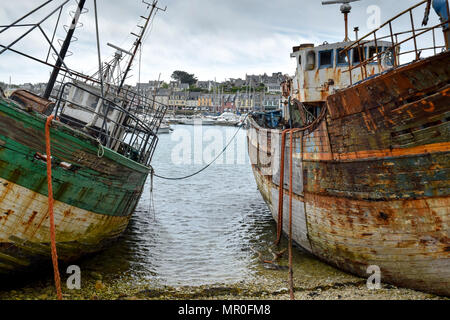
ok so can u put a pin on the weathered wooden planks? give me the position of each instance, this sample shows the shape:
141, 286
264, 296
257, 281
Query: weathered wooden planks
407, 239
95, 192
375, 178
93, 183
409, 82
25, 234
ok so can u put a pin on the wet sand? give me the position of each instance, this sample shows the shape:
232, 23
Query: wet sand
313, 280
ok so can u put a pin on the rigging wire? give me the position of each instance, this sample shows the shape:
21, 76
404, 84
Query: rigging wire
209, 164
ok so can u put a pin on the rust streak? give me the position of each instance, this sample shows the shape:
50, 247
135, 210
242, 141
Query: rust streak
435, 147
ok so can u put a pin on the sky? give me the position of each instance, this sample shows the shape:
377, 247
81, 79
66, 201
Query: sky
213, 39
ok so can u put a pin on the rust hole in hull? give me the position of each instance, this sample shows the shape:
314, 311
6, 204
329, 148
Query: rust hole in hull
384, 216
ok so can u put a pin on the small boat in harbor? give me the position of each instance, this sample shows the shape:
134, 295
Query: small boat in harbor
228, 119
197, 120
164, 128
100, 154
361, 154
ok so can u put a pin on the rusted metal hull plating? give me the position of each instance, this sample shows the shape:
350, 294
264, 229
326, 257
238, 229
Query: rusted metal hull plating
371, 181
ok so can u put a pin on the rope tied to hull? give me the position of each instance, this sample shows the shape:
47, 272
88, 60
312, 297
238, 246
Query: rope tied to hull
151, 204
50, 209
101, 149
281, 188
281, 201
291, 271
309, 127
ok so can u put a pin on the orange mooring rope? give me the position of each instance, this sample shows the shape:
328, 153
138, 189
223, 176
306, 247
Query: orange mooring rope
281, 189
50, 208
291, 132
281, 201
291, 272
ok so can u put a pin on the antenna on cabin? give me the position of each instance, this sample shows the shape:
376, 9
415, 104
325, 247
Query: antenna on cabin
345, 9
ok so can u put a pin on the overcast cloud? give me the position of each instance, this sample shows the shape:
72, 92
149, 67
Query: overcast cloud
210, 38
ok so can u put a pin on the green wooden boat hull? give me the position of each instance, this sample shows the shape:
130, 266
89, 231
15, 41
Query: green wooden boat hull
95, 196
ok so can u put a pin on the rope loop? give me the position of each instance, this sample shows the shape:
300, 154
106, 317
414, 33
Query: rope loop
101, 149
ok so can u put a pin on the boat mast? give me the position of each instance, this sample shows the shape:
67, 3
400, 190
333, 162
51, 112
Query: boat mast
345, 9
63, 52
138, 42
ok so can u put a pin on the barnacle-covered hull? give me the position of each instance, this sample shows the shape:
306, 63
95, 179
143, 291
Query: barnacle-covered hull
371, 178
95, 190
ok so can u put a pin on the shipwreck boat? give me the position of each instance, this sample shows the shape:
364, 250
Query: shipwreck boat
370, 153
101, 154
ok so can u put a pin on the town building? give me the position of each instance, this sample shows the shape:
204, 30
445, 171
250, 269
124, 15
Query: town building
273, 88
177, 100
178, 97
271, 102
192, 102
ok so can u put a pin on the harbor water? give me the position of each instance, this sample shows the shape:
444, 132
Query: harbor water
202, 237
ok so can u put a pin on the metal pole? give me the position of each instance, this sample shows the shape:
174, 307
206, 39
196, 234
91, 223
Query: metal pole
394, 45
447, 29
377, 51
34, 26
63, 52
138, 44
100, 73
54, 33
346, 27
414, 34
25, 16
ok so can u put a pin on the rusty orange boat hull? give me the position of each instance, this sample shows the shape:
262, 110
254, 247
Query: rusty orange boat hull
371, 178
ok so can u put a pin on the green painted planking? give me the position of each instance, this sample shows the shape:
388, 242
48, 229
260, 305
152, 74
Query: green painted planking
86, 188
64, 135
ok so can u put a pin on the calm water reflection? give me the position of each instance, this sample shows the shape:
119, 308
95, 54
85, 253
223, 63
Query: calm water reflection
202, 228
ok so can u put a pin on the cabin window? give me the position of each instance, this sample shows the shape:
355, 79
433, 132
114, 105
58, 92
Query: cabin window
341, 57
326, 59
78, 95
300, 60
373, 53
388, 56
92, 102
311, 60
358, 55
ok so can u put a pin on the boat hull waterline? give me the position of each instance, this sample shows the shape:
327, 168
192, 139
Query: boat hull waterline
95, 194
371, 179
